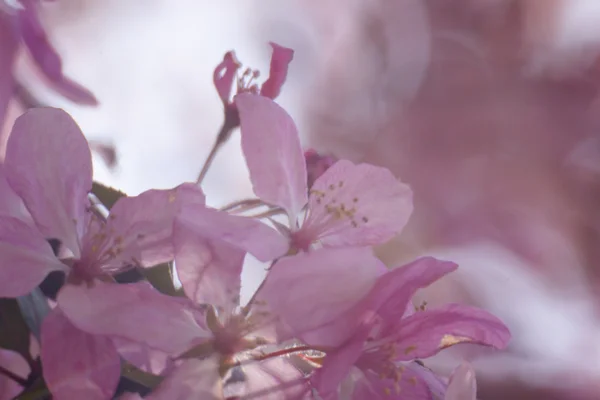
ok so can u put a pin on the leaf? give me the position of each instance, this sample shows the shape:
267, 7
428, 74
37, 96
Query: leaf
107, 195
161, 277
14, 332
34, 307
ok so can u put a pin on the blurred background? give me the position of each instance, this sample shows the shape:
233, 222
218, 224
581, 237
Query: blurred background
489, 109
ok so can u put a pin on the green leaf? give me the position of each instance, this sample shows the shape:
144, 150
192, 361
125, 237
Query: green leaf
107, 195
14, 333
137, 375
161, 277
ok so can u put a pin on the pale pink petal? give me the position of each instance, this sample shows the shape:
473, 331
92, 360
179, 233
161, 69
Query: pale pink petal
409, 386
271, 379
25, 258
245, 233
130, 396
313, 293
193, 379
280, 60
209, 269
273, 153
141, 227
224, 76
425, 333
76, 364
391, 295
10, 203
45, 56
463, 385
357, 205
8, 48
15, 363
337, 366
135, 312
142, 356
48, 164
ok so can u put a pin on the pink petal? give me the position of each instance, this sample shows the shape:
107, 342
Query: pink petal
77, 365
409, 386
48, 163
8, 48
209, 269
463, 385
272, 379
25, 258
135, 312
425, 333
245, 233
391, 295
338, 365
224, 75
280, 60
10, 203
35, 38
142, 356
142, 226
313, 293
357, 205
15, 363
193, 379
273, 153
130, 396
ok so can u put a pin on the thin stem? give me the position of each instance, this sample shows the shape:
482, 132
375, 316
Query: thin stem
232, 120
240, 203
270, 213
283, 352
21, 381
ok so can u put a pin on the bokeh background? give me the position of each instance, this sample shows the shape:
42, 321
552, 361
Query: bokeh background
489, 109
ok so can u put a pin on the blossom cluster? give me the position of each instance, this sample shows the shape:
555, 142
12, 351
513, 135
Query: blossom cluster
329, 320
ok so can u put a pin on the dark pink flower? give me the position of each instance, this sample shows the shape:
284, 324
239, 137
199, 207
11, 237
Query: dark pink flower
376, 361
226, 73
349, 205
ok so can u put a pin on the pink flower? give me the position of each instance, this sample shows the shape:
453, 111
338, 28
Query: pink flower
48, 165
375, 363
15, 364
462, 384
23, 25
348, 205
226, 73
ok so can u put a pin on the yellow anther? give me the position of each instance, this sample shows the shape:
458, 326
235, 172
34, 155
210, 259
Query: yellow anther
387, 391
413, 381
410, 349
172, 197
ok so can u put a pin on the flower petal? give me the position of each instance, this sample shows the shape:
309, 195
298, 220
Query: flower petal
209, 269
10, 203
391, 295
313, 293
338, 366
273, 153
135, 312
8, 49
280, 60
15, 363
48, 164
143, 225
142, 356
463, 385
35, 38
425, 333
248, 234
271, 379
408, 386
193, 379
358, 205
77, 365
224, 76
26, 258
